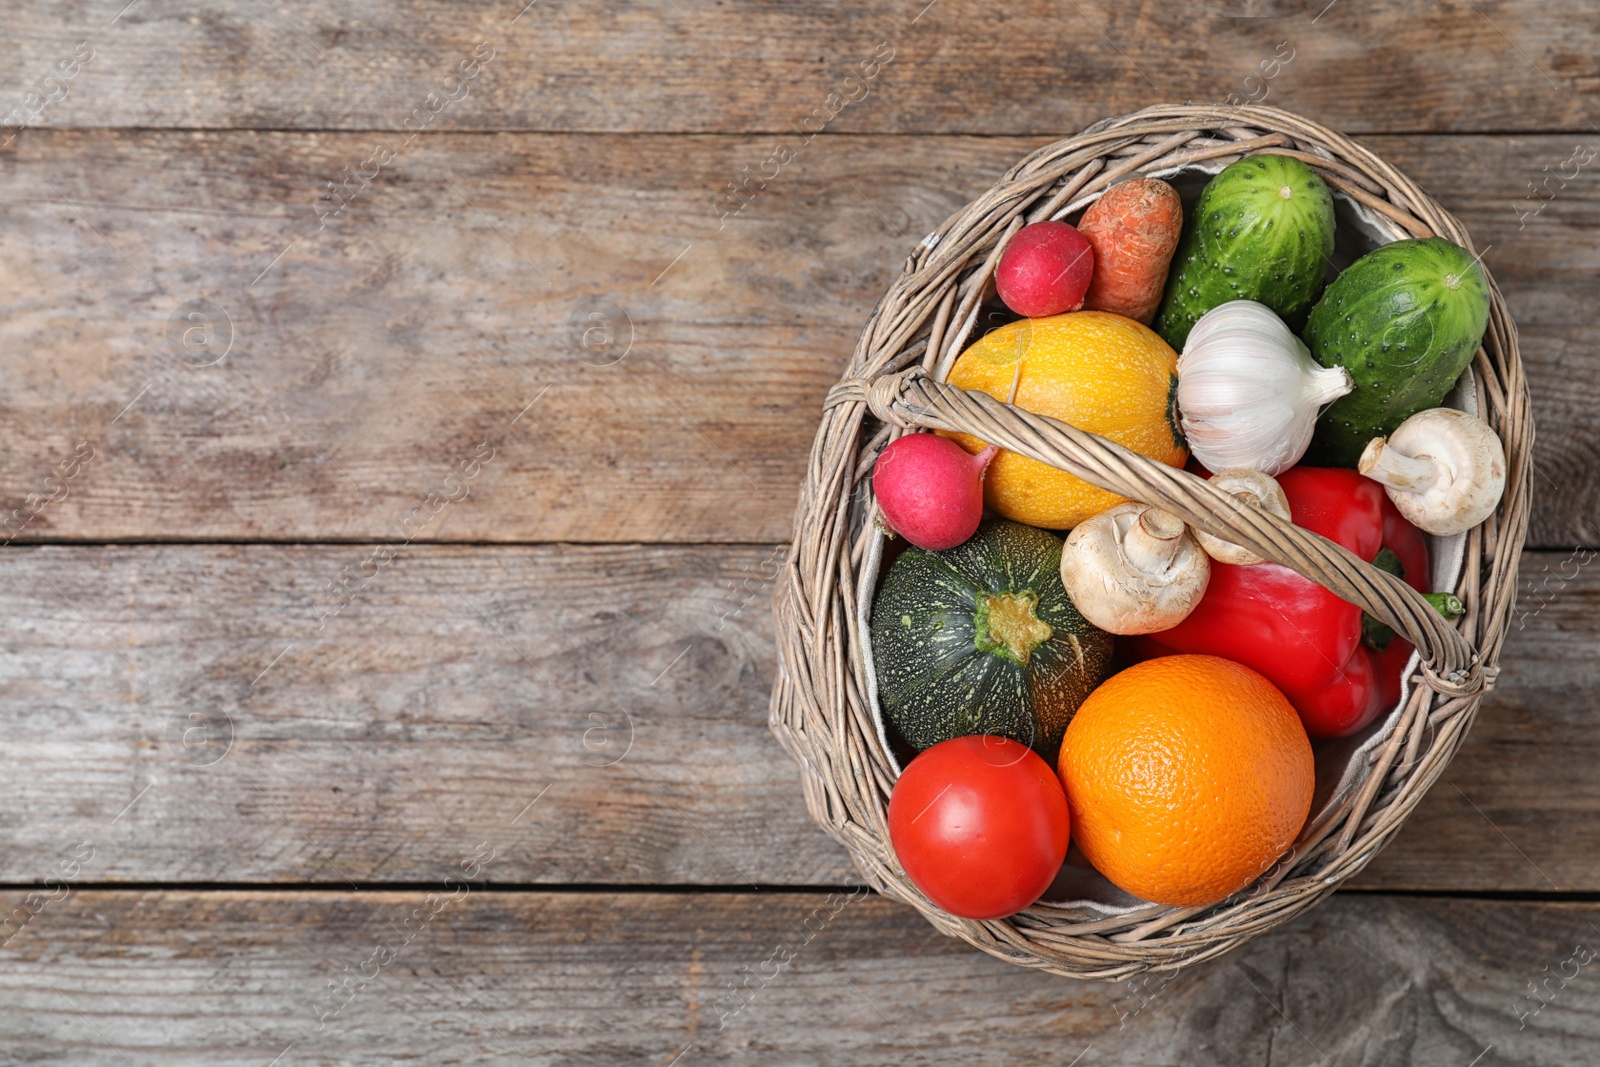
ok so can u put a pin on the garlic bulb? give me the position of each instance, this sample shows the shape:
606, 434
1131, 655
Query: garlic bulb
1249, 391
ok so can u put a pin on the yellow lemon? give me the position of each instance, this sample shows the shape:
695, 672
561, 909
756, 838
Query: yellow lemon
1091, 369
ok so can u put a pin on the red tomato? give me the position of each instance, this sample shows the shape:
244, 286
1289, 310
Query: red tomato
980, 825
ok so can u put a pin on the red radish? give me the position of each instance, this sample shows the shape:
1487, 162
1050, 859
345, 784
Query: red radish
1045, 270
931, 489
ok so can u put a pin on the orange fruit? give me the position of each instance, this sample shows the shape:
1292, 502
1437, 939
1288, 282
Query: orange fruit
1091, 369
1187, 777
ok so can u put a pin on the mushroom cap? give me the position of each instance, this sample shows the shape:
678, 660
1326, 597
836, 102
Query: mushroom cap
1250, 488
1134, 570
1469, 470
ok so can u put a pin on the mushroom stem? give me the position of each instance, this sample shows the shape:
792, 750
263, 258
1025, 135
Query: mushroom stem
1248, 497
1153, 540
1384, 463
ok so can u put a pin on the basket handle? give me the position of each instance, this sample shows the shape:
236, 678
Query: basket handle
911, 399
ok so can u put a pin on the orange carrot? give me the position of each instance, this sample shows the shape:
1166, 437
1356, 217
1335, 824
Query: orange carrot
1133, 230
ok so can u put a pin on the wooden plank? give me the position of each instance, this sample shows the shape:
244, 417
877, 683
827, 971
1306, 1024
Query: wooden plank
220, 713
371, 359
1036, 67
1516, 808
263, 719
226, 978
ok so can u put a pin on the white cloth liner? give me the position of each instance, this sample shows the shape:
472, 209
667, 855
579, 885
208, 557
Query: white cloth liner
1342, 765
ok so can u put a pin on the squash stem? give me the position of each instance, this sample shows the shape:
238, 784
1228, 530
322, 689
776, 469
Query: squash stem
1007, 626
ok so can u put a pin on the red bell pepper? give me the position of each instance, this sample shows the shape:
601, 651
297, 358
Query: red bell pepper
1309, 641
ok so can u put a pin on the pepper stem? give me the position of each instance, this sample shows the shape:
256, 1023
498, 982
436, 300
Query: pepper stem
1377, 635
1447, 604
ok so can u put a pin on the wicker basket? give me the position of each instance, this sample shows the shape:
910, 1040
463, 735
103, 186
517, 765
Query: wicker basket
822, 704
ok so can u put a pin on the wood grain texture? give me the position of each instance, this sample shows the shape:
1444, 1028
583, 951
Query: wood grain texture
371, 358
543, 331
265, 727
180, 708
756, 65
237, 978
1508, 808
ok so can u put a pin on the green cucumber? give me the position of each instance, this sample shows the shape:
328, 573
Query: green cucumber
1262, 231
1404, 320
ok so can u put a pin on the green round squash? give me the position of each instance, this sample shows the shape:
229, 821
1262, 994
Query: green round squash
982, 639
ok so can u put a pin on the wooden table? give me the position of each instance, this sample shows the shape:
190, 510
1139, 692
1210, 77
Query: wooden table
400, 427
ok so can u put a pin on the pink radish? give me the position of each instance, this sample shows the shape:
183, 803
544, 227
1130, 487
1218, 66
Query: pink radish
931, 489
1045, 270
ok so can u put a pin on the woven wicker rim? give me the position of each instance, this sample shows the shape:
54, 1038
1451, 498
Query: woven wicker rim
819, 709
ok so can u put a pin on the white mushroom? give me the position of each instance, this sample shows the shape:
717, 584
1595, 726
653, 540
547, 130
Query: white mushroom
1444, 469
1251, 489
1134, 569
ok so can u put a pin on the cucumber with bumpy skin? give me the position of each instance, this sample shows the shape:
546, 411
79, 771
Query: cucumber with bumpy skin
1404, 320
1262, 231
